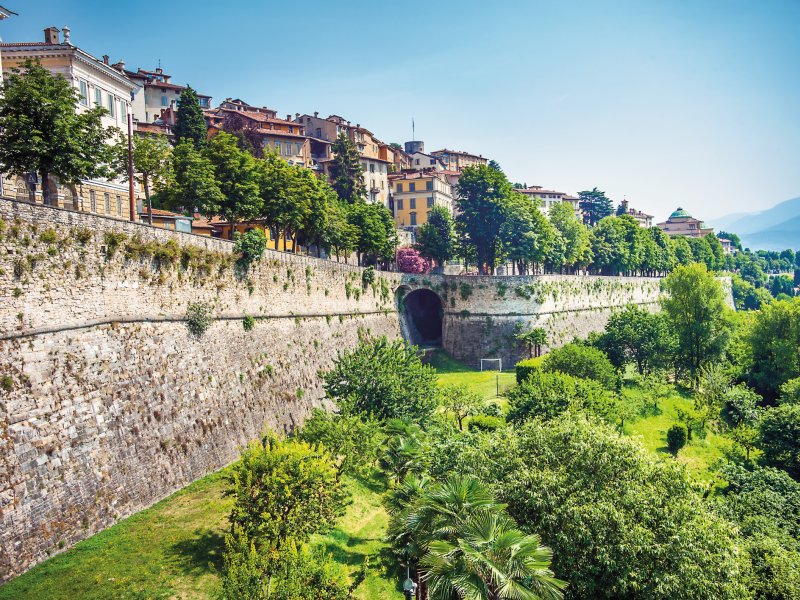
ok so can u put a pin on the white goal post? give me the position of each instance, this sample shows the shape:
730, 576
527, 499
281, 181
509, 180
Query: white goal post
498, 362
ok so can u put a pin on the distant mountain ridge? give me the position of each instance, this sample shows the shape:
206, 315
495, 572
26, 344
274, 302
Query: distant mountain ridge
776, 228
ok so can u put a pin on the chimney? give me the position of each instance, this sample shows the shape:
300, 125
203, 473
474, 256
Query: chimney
105, 59
316, 114
159, 70
51, 35
66, 31
288, 117
296, 116
119, 65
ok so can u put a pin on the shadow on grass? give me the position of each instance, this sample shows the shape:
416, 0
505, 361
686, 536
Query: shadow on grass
445, 364
199, 554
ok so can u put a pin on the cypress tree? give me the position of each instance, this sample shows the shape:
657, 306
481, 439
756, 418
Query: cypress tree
347, 174
191, 125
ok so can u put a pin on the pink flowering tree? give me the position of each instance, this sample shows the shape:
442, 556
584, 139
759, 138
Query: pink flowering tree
410, 261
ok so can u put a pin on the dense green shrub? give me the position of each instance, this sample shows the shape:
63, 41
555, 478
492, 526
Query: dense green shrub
367, 277
285, 490
250, 246
383, 380
780, 438
199, 318
248, 323
485, 423
676, 438
790, 392
525, 367
547, 395
582, 362
112, 241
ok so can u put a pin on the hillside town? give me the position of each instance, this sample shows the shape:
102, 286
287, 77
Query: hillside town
408, 180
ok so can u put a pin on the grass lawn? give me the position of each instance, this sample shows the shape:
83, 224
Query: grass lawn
486, 383
172, 550
699, 455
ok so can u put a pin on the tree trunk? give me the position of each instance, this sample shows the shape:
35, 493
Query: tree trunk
46, 200
146, 185
230, 233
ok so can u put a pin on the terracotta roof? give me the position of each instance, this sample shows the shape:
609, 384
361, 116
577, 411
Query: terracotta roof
279, 133
164, 213
535, 191
460, 152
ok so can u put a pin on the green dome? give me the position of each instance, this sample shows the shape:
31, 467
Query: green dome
680, 214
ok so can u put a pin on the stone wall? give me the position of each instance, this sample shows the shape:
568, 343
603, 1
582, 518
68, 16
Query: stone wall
108, 404
481, 315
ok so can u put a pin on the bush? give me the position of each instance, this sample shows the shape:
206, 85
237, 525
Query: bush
790, 392
780, 438
582, 362
48, 236
384, 380
547, 395
198, 318
251, 246
248, 323
676, 438
367, 277
485, 423
285, 490
112, 241
411, 261
524, 368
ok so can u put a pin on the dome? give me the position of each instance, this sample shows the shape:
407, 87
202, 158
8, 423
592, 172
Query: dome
680, 214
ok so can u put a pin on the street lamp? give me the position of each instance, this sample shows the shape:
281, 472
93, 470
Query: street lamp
409, 585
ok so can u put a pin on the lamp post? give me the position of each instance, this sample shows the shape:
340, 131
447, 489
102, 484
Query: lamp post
131, 197
409, 585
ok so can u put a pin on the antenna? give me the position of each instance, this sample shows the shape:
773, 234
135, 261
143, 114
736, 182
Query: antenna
413, 135
159, 63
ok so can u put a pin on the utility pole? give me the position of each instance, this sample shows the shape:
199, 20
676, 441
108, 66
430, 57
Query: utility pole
131, 197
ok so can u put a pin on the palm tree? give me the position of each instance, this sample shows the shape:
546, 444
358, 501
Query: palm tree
490, 559
405, 450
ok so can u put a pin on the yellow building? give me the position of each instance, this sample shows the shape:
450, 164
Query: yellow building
415, 194
275, 237
98, 84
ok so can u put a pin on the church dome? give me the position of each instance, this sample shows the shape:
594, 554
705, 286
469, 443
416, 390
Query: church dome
680, 214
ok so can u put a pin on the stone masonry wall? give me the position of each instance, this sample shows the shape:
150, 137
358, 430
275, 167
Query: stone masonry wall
108, 404
483, 314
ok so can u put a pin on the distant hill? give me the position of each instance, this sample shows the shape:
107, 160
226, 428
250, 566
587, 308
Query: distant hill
776, 228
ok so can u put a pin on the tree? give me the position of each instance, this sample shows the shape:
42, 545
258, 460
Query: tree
461, 401
398, 386
284, 490
351, 439
404, 451
41, 130
595, 206
376, 233
482, 197
341, 235
701, 251
713, 384
780, 438
527, 236
152, 165
695, 308
790, 392
774, 339
635, 335
493, 164
734, 239
583, 362
245, 132
547, 395
195, 185
235, 173
190, 124
346, 171
683, 251
676, 439
533, 339
717, 252
621, 522
577, 246
436, 237
610, 251
490, 559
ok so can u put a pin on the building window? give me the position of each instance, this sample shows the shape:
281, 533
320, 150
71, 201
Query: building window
107, 198
299, 148
399, 204
110, 105
84, 92
92, 201
412, 203
164, 101
430, 201
416, 162
412, 187
433, 161
119, 205
123, 109
278, 147
429, 185
413, 218
399, 187
98, 97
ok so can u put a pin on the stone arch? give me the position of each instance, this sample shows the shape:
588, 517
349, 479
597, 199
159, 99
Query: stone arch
422, 314
23, 190
71, 198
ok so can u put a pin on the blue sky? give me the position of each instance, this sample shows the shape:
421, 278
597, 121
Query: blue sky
692, 103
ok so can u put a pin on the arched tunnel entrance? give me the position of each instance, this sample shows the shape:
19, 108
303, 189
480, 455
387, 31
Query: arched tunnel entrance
423, 312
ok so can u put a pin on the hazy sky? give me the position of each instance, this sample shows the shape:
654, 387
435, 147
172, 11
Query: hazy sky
688, 102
